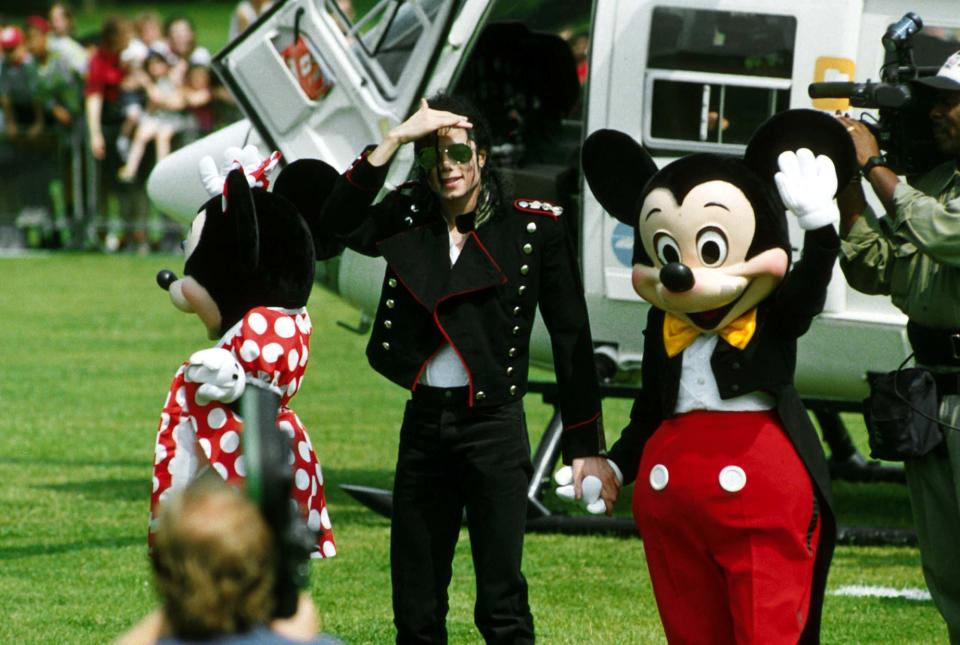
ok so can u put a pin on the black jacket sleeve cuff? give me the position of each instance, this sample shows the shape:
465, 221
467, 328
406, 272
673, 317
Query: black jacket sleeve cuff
583, 440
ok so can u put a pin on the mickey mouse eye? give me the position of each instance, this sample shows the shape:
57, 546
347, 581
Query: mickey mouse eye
667, 248
712, 246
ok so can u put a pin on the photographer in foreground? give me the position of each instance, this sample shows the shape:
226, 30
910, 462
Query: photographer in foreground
912, 253
213, 564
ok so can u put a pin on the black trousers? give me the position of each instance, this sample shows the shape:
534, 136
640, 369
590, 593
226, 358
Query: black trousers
452, 458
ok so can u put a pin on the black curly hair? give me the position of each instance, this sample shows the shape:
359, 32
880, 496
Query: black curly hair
493, 186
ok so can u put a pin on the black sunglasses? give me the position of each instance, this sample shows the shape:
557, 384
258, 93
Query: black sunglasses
457, 152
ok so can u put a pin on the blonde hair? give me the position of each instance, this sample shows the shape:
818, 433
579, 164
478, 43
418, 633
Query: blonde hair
214, 564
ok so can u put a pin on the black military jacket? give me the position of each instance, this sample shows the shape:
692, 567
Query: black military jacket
766, 364
484, 305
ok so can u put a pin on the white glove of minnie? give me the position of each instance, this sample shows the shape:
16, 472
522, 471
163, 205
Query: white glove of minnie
248, 158
591, 486
220, 374
807, 185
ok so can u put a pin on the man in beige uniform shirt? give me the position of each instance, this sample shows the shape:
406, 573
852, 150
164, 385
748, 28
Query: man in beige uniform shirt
912, 253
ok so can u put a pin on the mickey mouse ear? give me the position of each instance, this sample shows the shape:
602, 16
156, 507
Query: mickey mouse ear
307, 183
617, 168
794, 129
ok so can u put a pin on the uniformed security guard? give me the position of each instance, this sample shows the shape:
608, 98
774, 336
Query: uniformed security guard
912, 253
466, 270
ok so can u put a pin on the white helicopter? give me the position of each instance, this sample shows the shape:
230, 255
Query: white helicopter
678, 75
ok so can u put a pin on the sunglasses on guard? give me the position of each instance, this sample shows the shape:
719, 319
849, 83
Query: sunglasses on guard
457, 152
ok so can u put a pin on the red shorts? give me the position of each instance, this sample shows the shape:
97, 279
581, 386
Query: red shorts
730, 525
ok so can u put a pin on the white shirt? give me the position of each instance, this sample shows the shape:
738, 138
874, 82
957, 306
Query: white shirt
698, 387
446, 369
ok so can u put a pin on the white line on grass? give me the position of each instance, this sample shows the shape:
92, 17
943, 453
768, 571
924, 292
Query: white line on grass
861, 591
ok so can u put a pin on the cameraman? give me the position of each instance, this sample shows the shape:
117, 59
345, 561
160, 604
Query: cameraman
912, 253
213, 562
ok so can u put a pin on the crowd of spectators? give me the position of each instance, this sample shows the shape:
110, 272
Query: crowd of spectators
84, 118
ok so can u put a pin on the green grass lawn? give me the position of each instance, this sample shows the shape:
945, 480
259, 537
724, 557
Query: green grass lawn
88, 347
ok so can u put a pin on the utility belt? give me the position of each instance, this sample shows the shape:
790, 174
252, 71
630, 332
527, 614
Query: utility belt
935, 347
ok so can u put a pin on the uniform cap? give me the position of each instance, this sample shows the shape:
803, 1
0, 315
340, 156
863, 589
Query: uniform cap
947, 77
39, 23
10, 37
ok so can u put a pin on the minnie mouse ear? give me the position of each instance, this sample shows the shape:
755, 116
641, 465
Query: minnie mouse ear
307, 183
795, 129
617, 168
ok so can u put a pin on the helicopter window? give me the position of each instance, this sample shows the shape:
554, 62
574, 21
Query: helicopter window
386, 34
382, 40
526, 74
714, 76
722, 42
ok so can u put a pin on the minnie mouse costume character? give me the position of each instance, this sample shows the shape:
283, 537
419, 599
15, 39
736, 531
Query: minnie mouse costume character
733, 495
250, 261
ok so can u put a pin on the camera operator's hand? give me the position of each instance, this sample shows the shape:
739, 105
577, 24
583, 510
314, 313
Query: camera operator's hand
807, 185
863, 140
883, 180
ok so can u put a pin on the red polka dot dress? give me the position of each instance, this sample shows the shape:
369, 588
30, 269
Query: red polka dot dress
272, 345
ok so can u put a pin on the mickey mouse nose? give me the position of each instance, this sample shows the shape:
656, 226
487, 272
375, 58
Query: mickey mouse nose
165, 278
677, 277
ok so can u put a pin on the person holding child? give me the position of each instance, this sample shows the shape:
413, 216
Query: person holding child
163, 117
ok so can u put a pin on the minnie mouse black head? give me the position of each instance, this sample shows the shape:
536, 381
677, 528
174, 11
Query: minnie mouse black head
710, 234
250, 247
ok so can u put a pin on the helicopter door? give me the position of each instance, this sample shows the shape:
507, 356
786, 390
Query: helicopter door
315, 80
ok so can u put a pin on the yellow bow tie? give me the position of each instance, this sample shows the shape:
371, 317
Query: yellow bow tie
678, 334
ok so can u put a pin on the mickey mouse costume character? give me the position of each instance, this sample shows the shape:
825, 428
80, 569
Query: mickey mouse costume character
733, 495
250, 261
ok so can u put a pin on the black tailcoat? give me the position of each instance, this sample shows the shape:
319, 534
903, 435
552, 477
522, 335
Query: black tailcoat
484, 305
766, 364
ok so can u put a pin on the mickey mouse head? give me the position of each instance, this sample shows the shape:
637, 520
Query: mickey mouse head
710, 234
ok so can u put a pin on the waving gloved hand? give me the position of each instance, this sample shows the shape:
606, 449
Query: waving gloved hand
220, 374
807, 185
254, 166
591, 488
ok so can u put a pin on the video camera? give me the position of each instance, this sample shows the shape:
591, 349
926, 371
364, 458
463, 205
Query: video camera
903, 128
267, 454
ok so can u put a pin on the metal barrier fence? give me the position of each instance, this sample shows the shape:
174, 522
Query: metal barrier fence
55, 194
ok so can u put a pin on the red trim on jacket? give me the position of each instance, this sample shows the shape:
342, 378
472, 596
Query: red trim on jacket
423, 367
489, 257
582, 423
436, 319
537, 211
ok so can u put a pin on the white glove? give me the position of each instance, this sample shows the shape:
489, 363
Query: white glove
591, 486
219, 372
248, 158
807, 186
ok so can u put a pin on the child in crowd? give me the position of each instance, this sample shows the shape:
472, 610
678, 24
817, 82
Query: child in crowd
148, 38
161, 120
